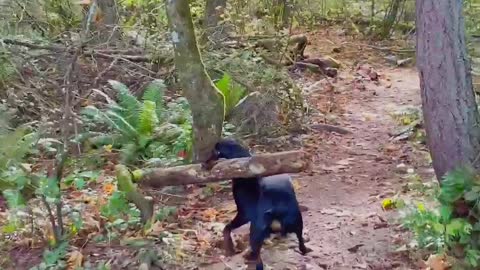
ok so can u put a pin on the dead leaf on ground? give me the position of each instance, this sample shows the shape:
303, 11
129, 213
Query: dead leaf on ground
75, 260
210, 214
437, 262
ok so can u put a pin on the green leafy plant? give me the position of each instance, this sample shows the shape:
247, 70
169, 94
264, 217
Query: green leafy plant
165, 212
80, 179
54, 259
453, 227
232, 92
17, 144
143, 129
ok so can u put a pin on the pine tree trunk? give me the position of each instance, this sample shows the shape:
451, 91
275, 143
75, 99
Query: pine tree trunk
451, 116
204, 98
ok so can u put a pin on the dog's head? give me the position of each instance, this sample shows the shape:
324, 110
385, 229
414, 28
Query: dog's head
229, 149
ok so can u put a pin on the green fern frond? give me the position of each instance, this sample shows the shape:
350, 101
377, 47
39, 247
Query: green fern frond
147, 120
8, 147
121, 124
154, 92
111, 118
94, 114
128, 102
231, 91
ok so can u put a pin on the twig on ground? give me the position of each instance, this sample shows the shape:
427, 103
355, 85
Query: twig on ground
101, 74
331, 128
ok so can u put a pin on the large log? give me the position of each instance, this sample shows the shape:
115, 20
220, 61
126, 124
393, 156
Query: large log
258, 165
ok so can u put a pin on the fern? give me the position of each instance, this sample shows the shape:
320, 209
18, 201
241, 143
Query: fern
129, 105
154, 92
232, 92
147, 120
16, 145
143, 127
112, 119
122, 124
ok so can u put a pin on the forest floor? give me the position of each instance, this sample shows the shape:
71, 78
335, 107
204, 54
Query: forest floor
345, 224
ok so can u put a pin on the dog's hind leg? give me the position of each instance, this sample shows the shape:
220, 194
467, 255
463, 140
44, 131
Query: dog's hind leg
239, 220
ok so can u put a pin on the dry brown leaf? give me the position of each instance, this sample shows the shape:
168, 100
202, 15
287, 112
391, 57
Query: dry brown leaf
75, 260
436, 262
108, 188
156, 229
210, 214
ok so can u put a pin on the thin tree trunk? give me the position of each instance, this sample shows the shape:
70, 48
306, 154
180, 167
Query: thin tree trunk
214, 9
204, 98
287, 13
451, 116
109, 29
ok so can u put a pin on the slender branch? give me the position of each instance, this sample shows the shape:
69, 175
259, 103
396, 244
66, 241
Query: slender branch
51, 217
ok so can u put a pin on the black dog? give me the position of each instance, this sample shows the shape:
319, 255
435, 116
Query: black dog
263, 202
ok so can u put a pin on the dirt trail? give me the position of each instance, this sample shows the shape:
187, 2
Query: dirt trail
346, 227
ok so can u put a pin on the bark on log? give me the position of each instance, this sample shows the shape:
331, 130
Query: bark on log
258, 165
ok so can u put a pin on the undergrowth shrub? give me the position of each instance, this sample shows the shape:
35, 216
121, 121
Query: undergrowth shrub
147, 129
276, 103
142, 128
452, 225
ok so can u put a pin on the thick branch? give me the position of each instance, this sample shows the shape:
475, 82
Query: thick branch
259, 165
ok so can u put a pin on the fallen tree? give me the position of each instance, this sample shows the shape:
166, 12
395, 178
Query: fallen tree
257, 166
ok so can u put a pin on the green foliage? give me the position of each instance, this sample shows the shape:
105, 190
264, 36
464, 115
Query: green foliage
454, 226
7, 69
248, 69
147, 15
16, 144
165, 212
144, 128
116, 205
54, 259
80, 179
231, 91
472, 20
62, 15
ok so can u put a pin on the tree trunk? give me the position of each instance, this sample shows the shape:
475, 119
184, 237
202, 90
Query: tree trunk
204, 98
109, 29
451, 116
214, 9
287, 13
282, 13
